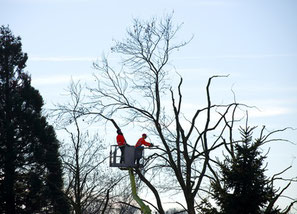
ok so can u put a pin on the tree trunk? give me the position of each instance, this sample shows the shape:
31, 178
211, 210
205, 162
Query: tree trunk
9, 160
9, 191
190, 204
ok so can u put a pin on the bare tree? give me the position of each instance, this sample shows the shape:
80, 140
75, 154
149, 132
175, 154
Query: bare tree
139, 92
90, 188
135, 94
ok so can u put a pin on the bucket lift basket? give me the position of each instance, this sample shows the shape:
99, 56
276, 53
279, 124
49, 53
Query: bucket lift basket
129, 157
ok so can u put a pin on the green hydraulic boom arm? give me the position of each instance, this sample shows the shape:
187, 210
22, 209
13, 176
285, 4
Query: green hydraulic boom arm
144, 208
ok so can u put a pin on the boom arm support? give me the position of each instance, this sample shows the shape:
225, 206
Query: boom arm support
144, 208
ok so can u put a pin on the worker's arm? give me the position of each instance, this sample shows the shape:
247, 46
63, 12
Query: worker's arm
147, 143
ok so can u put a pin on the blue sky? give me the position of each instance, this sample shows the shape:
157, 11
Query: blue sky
255, 41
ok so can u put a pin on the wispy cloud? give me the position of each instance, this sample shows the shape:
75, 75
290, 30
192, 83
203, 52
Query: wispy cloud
94, 58
269, 112
63, 59
70, 59
58, 79
200, 71
244, 56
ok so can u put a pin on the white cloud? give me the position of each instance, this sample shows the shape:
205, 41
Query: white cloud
269, 112
58, 79
94, 58
62, 59
239, 56
70, 59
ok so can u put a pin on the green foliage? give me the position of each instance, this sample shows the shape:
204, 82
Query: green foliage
205, 207
30, 168
243, 187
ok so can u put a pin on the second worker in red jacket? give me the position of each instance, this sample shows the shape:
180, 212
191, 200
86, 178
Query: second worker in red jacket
142, 141
139, 147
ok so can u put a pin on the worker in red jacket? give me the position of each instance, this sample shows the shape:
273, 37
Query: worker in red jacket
121, 143
142, 141
139, 147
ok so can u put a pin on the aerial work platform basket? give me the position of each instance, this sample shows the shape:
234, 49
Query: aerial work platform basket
129, 159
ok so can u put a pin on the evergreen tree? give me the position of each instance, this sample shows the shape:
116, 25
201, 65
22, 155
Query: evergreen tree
243, 187
30, 168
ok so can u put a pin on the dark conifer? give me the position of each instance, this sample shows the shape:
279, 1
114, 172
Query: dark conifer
243, 188
30, 168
